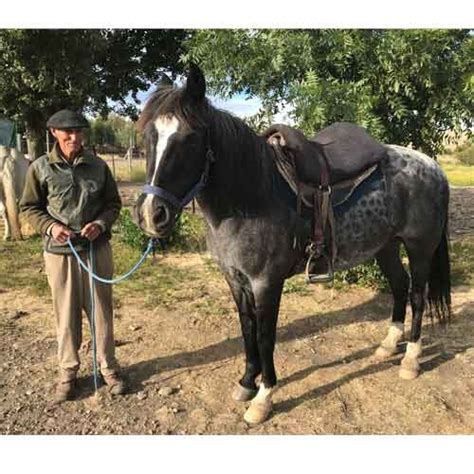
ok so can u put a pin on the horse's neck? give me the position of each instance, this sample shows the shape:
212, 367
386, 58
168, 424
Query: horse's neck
240, 178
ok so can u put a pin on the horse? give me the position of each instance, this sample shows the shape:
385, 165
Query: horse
255, 232
13, 168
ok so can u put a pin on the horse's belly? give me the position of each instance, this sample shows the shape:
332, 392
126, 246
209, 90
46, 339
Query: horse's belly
362, 229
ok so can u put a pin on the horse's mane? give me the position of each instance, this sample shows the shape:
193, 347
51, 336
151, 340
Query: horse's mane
167, 100
246, 172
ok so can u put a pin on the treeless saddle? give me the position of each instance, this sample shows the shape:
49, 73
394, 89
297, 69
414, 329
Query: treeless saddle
334, 162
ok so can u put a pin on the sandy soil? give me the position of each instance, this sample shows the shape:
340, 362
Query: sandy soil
182, 363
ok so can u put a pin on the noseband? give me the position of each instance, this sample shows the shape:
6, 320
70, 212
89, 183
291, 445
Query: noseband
195, 190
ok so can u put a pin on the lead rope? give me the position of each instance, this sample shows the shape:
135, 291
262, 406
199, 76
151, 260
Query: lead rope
92, 278
92, 315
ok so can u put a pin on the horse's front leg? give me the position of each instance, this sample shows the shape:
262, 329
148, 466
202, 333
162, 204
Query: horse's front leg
267, 302
243, 297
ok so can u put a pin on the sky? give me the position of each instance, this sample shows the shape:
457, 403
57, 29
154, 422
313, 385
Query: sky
240, 105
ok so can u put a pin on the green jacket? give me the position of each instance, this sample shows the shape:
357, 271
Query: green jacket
73, 195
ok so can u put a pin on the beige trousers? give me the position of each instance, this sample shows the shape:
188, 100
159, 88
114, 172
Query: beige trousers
71, 294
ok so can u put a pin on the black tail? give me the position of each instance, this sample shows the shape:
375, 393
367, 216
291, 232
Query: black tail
439, 285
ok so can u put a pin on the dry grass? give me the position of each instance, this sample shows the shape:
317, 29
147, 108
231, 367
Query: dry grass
457, 173
122, 170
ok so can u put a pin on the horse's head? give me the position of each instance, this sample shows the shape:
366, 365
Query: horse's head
177, 153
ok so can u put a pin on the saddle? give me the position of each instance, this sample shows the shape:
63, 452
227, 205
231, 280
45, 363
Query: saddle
333, 163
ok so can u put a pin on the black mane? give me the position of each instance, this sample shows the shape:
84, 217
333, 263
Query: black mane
244, 166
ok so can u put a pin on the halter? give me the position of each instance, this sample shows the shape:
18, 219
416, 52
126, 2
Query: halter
195, 190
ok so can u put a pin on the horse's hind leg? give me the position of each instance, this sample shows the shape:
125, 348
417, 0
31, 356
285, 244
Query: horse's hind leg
389, 261
419, 254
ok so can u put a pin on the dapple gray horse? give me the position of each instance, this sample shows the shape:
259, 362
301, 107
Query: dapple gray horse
195, 149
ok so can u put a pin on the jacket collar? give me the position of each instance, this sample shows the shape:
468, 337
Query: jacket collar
55, 156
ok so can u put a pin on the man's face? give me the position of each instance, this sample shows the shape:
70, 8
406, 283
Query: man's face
70, 141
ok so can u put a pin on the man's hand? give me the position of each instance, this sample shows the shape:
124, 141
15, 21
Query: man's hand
61, 233
91, 231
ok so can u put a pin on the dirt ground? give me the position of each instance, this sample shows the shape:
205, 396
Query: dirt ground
182, 363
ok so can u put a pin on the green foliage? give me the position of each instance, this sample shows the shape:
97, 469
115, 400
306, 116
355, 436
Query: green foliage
367, 275
128, 232
101, 133
465, 153
96, 70
295, 284
405, 86
115, 131
188, 233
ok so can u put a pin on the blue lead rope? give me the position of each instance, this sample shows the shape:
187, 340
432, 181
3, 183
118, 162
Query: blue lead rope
92, 313
91, 273
92, 277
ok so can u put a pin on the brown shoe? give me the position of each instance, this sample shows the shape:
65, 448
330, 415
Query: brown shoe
65, 390
116, 384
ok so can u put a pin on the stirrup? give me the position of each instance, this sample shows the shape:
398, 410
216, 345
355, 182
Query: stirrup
319, 277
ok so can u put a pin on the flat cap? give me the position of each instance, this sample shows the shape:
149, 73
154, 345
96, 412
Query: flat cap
67, 119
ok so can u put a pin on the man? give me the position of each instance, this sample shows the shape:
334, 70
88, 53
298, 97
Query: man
71, 193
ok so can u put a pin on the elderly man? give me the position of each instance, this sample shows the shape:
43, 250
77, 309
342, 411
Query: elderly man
71, 193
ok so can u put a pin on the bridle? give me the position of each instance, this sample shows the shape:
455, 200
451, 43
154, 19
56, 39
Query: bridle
195, 190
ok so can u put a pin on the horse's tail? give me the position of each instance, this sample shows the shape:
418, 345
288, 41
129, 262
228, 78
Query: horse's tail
439, 283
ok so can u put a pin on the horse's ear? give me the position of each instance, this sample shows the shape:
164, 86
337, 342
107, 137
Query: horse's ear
195, 84
164, 81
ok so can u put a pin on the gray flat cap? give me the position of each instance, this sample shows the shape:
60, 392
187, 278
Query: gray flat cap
67, 119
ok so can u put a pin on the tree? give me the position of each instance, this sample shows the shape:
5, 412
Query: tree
405, 86
115, 131
42, 71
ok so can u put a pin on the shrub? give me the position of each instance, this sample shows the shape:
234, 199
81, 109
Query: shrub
465, 153
188, 233
128, 232
366, 275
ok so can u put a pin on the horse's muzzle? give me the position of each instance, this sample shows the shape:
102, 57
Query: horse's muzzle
154, 216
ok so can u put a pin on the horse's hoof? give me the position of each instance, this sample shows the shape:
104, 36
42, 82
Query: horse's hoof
408, 373
243, 394
258, 412
384, 352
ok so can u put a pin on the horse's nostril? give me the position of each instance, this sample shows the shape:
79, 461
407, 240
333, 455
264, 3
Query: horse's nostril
161, 216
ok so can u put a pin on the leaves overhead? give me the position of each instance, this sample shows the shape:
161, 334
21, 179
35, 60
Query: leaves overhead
42, 71
405, 86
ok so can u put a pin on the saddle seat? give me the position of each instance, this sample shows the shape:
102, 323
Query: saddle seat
345, 148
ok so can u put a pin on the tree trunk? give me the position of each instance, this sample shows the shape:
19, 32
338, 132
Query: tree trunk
35, 142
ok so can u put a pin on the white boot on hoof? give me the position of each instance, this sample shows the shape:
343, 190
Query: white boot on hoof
388, 347
260, 407
243, 394
410, 367
383, 352
258, 412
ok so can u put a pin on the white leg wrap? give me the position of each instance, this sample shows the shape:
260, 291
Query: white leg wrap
410, 367
261, 406
395, 333
388, 346
413, 350
264, 394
